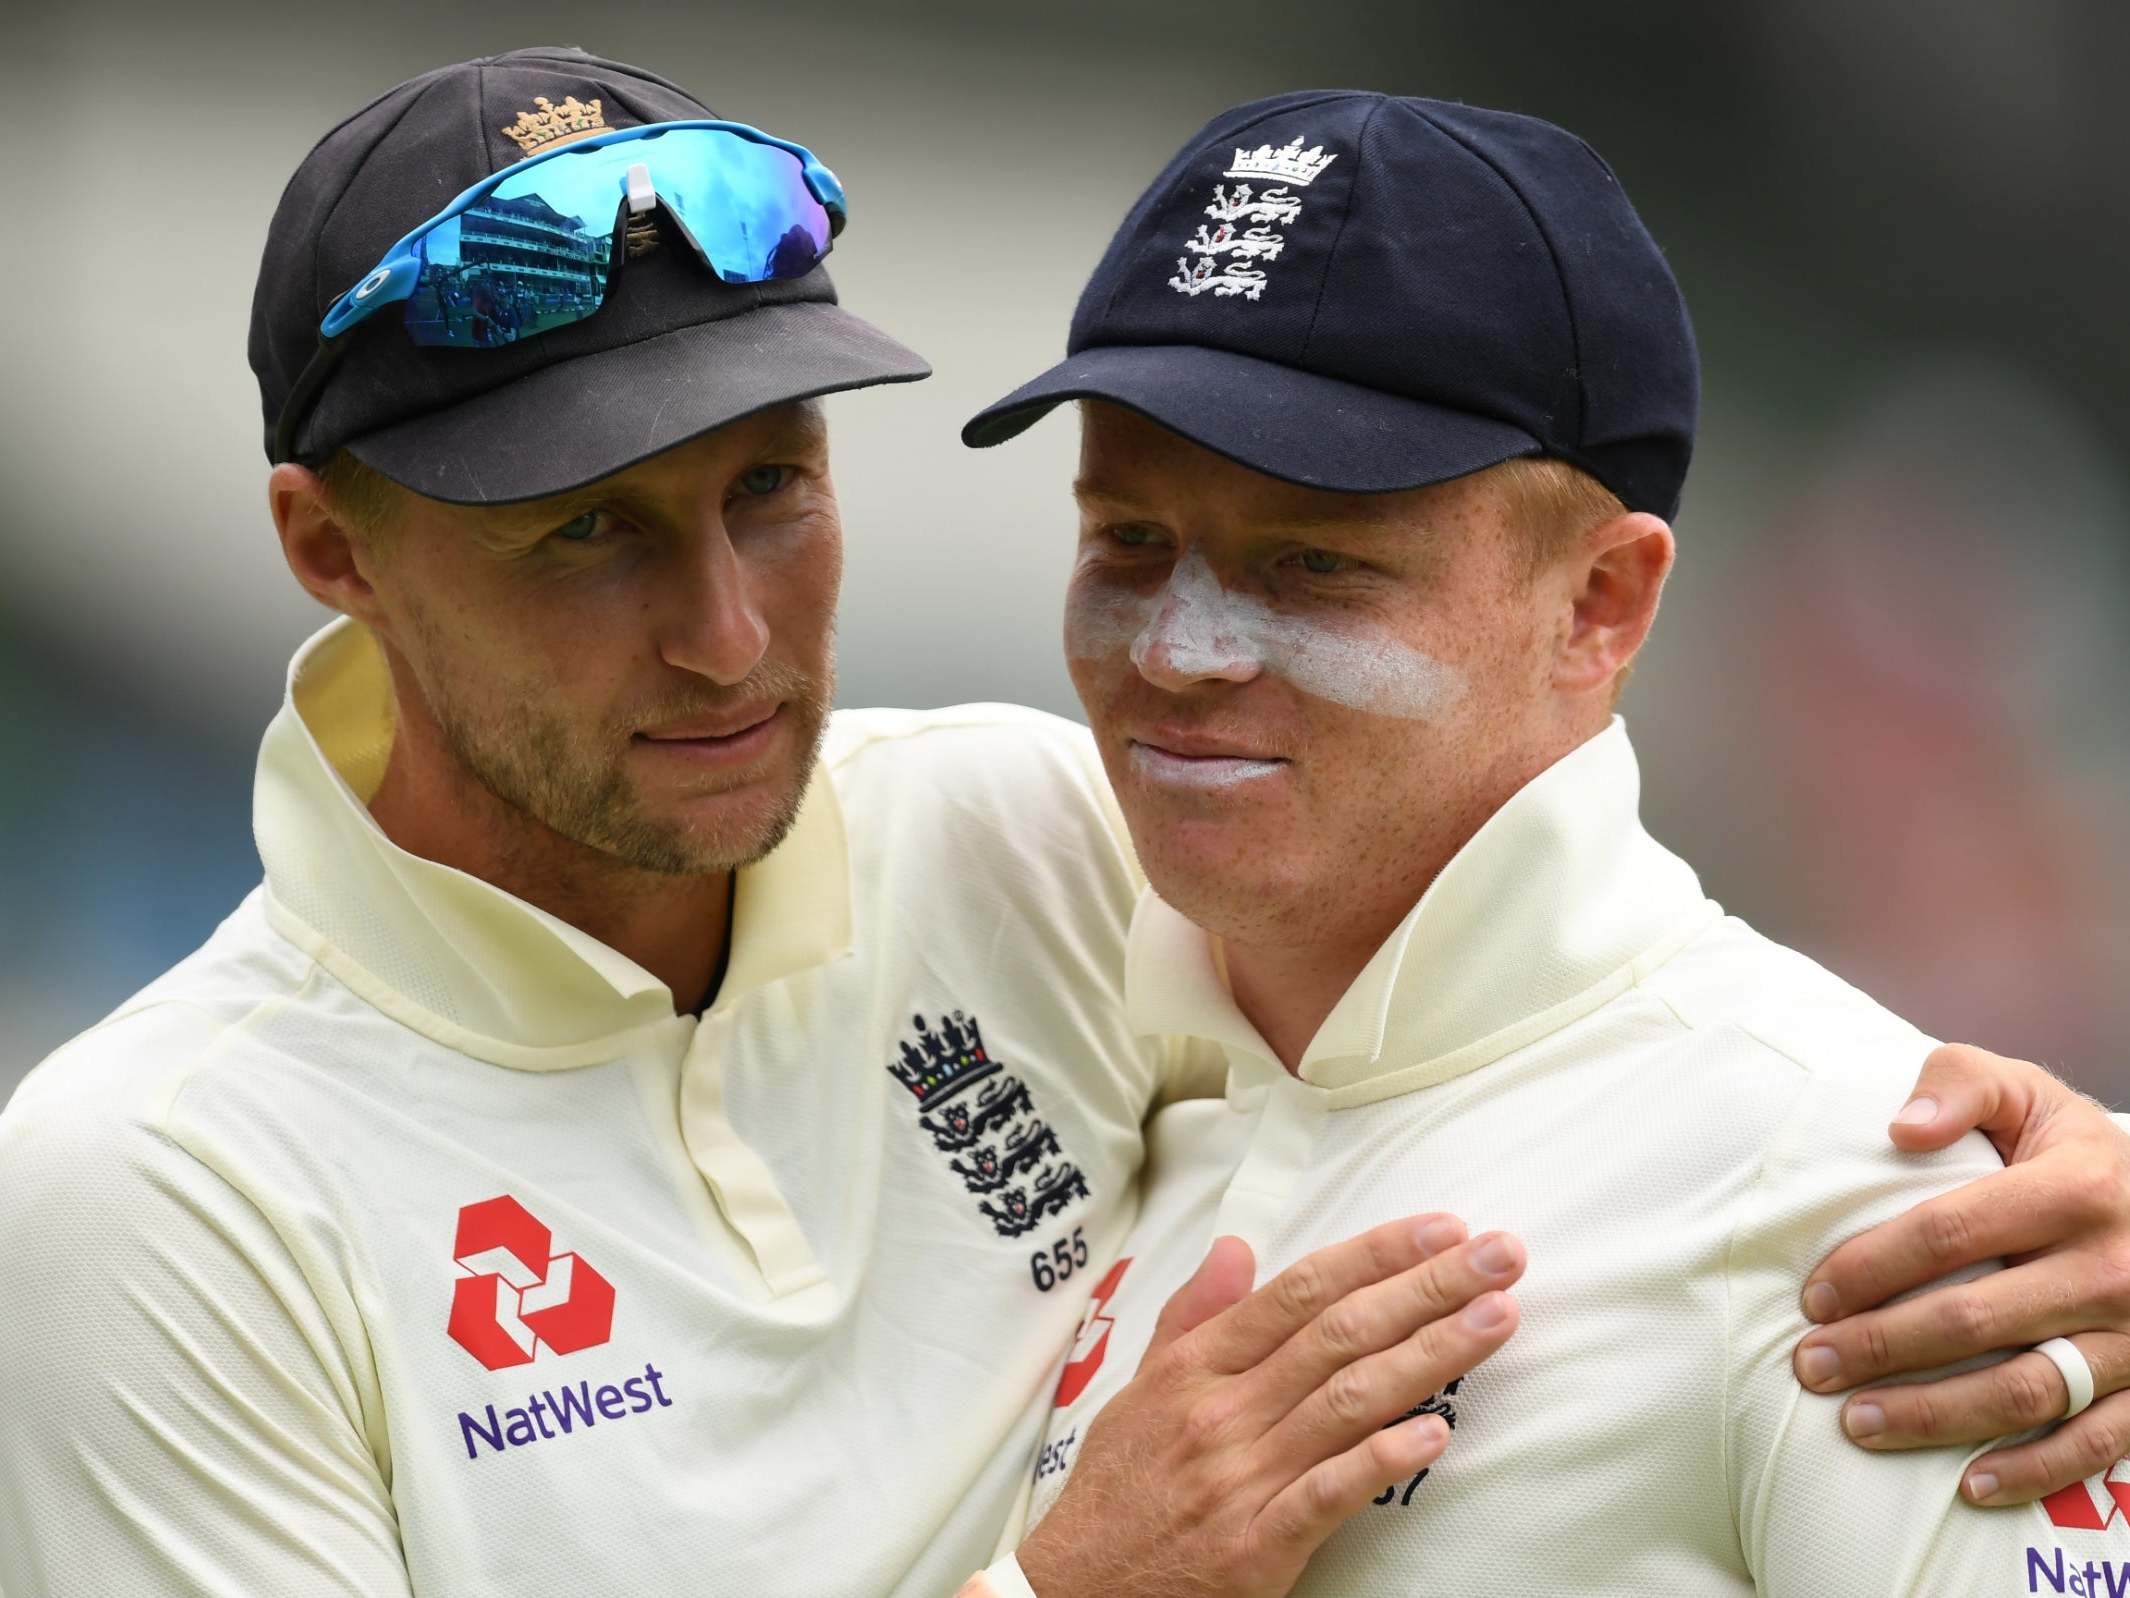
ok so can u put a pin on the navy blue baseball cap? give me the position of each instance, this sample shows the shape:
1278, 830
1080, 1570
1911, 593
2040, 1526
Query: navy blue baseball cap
1363, 292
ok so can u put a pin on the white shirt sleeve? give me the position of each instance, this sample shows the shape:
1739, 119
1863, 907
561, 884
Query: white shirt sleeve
1002, 1580
1818, 1516
179, 1417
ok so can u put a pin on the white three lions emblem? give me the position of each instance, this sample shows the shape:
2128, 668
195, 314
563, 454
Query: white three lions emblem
1224, 254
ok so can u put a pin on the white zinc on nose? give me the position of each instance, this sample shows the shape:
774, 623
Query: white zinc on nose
1210, 631
1206, 631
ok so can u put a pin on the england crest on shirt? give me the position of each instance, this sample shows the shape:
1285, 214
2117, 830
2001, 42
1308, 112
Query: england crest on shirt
984, 1124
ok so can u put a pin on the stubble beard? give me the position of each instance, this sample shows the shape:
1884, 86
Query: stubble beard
578, 788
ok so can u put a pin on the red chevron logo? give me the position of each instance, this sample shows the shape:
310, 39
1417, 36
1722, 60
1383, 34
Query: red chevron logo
1092, 1344
2080, 1508
517, 1293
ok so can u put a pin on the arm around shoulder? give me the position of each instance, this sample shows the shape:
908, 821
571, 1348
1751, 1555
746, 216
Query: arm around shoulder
1815, 1514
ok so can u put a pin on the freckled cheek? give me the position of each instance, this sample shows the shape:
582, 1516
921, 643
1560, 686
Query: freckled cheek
1101, 621
1102, 687
1097, 668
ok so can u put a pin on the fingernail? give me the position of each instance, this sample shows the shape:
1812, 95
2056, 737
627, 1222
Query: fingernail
1820, 1365
1864, 1420
1428, 1426
1484, 1314
1494, 1256
1981, 1485
1918, 1111
1439, 1234
1822, 1303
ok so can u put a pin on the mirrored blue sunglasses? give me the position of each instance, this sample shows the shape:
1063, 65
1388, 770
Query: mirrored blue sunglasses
535, 246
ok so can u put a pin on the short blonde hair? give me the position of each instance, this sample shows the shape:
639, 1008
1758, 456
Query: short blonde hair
360, 497
1553, 504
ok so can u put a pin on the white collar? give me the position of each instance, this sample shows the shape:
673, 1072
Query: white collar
1558, 903
456, 957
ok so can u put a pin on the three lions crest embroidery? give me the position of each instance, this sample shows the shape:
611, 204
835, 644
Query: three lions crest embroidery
984, 1121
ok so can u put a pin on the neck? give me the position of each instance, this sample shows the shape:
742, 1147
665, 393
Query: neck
1287, 986
1287, 992
677, 928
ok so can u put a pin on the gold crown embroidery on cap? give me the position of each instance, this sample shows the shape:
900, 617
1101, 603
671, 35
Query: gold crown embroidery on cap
555, 124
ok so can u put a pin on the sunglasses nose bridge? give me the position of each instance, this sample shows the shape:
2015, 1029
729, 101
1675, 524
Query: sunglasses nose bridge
637, 182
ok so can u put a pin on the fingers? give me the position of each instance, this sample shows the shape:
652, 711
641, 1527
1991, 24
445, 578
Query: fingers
2030, 1206
1358, 1399
2045, 1298
1315, 1505
2083, 1446
1222, 1280
1964, 1089
1246, 1335
2025, 1391
1351, 1367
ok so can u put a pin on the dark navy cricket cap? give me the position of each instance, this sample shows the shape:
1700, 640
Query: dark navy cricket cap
672, 352
1362, 292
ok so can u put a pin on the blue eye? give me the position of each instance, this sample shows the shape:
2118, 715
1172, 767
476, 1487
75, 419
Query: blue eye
1132, 536
578, 529
759, 480
1322, 562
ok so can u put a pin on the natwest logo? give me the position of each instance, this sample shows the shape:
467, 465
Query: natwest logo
519, 1293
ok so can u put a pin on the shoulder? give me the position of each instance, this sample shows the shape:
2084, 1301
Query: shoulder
124, 1156
1009, 742
130, 1068
980, 773
1814, 1069
1794, 1033
91, 1167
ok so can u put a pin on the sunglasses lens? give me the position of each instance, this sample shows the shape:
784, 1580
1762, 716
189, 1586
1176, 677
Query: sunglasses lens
507, 268
744, 205
536, 252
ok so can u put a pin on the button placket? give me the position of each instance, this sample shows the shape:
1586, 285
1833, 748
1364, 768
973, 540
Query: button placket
1280, 1150
746, 1193
658, 1071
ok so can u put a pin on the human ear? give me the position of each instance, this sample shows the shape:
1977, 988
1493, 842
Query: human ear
326, 556
1622, 567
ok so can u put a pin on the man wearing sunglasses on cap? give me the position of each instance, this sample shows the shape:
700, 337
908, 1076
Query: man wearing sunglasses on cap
630, 1143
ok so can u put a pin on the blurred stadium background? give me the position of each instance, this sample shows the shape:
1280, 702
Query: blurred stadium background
1883, 711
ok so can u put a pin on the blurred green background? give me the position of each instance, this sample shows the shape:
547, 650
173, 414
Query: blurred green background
1883, 708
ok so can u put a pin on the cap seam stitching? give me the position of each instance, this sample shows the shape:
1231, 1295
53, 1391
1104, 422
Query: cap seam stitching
1545, 237
325, 223
480, 96
1125, 273
316, 244
1323, 282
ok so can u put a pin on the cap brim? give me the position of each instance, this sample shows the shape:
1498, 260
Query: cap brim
579, 420
1316, 431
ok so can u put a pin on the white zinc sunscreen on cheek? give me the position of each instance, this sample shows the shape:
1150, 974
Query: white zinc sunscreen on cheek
1205, 630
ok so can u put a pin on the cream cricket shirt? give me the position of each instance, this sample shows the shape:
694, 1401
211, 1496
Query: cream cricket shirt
1566, 1039
403, 1238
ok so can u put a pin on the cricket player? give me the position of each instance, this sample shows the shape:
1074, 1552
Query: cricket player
1386, 409
644, 1134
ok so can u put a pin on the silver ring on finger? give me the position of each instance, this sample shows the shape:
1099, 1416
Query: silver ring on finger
2077, 1374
